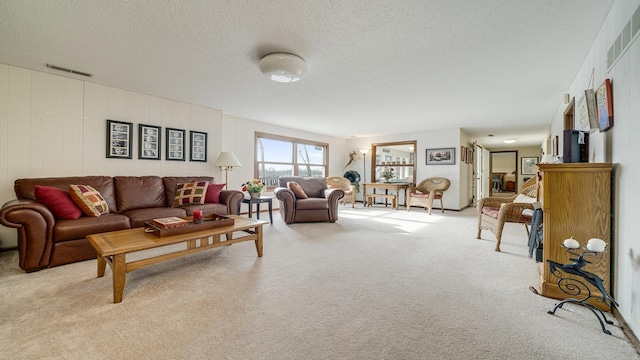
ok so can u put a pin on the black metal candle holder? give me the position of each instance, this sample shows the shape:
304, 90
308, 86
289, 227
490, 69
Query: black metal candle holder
580, 291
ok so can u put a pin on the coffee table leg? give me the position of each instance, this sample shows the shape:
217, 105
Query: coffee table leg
119, 277
259, 240
102, 265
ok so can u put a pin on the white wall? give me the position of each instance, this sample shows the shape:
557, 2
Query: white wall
56, 126
619, 146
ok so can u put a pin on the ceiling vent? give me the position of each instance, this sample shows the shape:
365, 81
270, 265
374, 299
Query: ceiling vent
76, 72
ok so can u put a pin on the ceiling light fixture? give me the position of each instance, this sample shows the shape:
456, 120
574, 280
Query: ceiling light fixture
510, 141
283, 67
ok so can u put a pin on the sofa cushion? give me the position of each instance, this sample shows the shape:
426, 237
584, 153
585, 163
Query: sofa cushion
171, 183
312, 204
213, 193
86, 225
190, 193
297, 190
89, 200
129, 194
58, 201
138, 217
207, 209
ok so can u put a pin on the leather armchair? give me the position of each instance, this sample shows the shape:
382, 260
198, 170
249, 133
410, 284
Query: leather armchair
321, 204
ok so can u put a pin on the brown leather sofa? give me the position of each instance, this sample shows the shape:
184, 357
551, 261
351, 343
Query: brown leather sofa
321, 204
44, 241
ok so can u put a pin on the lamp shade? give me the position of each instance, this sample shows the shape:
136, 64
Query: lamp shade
227, 159
283, 67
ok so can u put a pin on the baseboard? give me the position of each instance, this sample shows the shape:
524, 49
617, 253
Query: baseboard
13, 248
633, 339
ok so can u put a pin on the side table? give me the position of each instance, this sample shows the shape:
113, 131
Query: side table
258, 201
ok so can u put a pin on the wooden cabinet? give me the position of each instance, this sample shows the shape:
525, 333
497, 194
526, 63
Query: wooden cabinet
576, 202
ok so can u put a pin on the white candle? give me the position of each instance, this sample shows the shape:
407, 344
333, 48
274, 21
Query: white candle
597, 245
571, 243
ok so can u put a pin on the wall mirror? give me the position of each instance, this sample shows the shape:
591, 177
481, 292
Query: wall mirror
399, 156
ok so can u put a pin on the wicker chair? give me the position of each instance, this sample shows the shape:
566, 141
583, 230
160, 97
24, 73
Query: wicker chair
494, 212
426, 192
344, 184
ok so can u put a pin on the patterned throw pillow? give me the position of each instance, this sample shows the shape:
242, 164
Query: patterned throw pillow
213, 193
192, 193
89, 200
58, 201
297, 190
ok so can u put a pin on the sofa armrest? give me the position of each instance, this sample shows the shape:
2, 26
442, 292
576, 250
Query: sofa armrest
35, 231
333, 196
287, 203
232, 199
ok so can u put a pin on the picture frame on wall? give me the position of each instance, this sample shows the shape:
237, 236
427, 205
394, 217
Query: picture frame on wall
604, 102
442, 156
527, 164
198, 146
149, 142
119, 137
469, 156
463, 154
175, 147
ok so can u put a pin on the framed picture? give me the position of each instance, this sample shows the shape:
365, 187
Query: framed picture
175, 147
445, 156
198, 146
469, 156
149, 142
119, 137
527, 165
463, 154
605, 106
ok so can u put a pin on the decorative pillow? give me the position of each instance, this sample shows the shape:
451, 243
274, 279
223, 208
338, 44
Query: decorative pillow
58, 201
89, 200
297, 190
213, 193
192, 193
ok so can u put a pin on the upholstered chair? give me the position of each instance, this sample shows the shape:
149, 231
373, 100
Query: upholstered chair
343, 183
426, 192
306, 199
495, 212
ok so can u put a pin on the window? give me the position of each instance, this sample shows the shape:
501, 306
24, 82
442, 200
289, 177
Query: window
284, 156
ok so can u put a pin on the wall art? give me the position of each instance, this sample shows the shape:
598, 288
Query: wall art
605, 106
175, 147
149, 142
119, 137
444, 156
198, 146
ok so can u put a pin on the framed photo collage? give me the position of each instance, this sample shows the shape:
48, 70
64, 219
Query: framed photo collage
120, 140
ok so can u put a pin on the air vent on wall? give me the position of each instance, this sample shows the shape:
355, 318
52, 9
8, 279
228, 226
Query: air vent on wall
624, 39
69, 70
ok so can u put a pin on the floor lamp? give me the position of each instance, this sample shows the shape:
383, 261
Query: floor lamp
226, 160
364, 158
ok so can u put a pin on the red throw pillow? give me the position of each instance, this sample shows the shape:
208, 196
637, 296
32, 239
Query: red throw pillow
213, 193
297, 189
58, 201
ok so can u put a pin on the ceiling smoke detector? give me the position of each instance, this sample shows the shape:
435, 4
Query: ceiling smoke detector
283, 67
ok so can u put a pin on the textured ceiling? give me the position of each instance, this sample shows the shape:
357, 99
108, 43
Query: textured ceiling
375, 67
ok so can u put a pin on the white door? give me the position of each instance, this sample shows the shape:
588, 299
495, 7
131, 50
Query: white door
481, 172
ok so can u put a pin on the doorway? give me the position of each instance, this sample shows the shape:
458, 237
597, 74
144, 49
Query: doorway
504, 171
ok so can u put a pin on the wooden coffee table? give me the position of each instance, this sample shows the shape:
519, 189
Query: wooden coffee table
113, 247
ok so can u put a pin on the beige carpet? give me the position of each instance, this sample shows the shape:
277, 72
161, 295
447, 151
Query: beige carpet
378, 284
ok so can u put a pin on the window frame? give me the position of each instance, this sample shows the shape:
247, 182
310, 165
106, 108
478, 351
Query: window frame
294, 155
